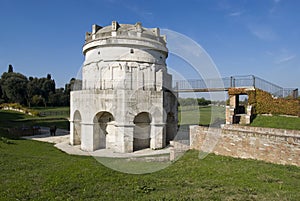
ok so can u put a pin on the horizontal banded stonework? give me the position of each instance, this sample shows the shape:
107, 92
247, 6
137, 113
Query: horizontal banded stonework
272, 145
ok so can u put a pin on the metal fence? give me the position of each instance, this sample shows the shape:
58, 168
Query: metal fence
247, 81
221, 84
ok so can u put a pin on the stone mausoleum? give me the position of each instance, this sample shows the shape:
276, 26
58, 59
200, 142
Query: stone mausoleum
125, 102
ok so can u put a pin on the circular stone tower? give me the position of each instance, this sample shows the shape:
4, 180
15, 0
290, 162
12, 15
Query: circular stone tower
125, 102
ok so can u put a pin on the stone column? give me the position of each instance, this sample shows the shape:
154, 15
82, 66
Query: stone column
231, 110
124, 138
72, 134
229, 115
87, 137
158, 136
234, 101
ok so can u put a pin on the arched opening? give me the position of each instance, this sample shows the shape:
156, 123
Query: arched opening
171, 127
77, 128
142, 129
102, 129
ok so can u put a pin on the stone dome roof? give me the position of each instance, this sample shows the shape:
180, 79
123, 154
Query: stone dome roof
116, 34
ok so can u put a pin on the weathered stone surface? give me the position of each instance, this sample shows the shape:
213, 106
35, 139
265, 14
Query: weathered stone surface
125, 102
268, 144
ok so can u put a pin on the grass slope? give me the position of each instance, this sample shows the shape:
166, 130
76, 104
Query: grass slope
277, 122
33, 170
203, 115
10, 119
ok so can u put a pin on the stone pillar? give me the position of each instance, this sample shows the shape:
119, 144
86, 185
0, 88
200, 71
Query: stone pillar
158, 136
87, 137
230, 115
75, 130
124, 138
234, 101
72, 134
232, 109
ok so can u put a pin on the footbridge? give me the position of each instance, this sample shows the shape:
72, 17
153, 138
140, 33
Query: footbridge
223, 84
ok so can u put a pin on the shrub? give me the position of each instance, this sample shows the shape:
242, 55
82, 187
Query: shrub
264, 103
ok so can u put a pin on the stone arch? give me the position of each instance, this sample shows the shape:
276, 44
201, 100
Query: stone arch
142, 130
103, 129
77, 127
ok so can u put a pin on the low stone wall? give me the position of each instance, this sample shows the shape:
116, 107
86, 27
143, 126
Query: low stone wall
272, 145
178, 148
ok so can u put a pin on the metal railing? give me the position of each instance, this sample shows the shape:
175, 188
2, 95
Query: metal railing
196, 85
223, 84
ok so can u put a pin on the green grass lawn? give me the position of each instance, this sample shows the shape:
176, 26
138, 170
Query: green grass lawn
46, 109
32, 170
203, 115
277, 122
11, 119
63, 112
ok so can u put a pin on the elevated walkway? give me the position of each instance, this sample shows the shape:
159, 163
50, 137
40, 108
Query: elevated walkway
224, 84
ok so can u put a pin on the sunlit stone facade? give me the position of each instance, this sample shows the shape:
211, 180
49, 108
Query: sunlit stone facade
125, 102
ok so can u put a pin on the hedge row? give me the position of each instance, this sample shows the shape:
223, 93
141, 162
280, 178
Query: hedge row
264, 103
17, 107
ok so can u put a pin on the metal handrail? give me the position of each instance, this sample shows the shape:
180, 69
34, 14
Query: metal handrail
241, 81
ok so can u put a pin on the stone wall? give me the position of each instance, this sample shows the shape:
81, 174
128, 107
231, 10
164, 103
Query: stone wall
272, 145
178, 148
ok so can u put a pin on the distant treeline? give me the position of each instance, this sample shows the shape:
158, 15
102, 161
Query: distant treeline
32, 91
199, 101
193, 101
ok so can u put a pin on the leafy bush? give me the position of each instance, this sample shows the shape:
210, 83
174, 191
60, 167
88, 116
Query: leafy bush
264, 103
18, 107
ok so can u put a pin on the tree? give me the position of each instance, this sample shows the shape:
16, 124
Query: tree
10, 69
59, 98
1, 94
203, 101
38, 100
32, 90
14, 87
47, 87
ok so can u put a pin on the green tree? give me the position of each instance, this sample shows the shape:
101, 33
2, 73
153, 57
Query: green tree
14, 87
203, 101
59, 98
32, 89
38, 100
1, 94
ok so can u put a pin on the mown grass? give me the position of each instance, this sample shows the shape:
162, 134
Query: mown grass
62, 112
200, 115
33, 170
12, 119
282, 122
55, 109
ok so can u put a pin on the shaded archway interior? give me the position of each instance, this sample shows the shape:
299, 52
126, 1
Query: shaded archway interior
103, 129
142, 131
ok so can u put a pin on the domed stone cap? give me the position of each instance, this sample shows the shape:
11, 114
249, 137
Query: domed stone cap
113, 35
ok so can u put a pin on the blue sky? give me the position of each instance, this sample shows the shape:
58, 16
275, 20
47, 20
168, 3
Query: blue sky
242, 37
